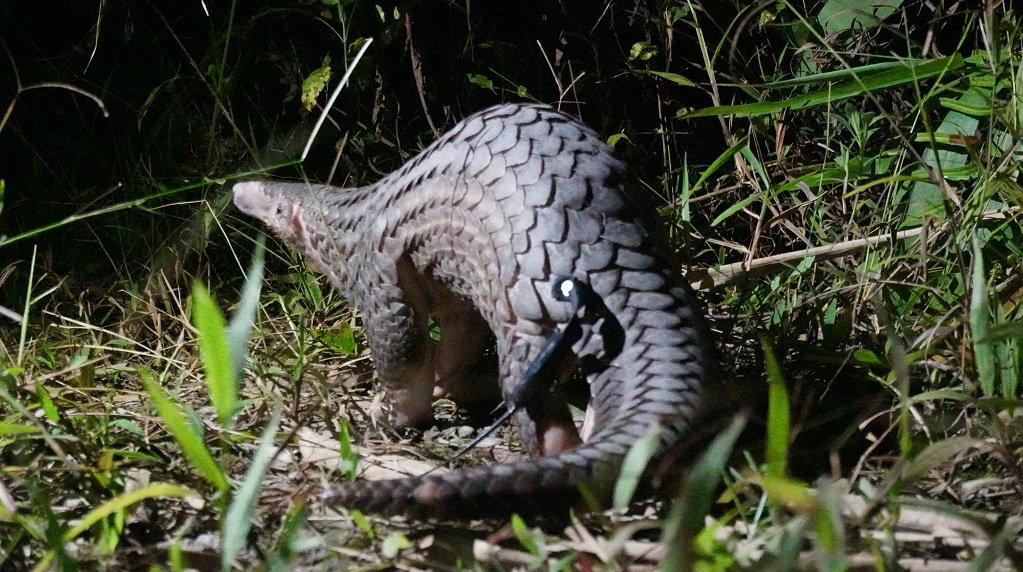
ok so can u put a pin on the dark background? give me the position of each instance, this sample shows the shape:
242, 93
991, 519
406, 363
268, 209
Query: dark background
180, 111
186, 113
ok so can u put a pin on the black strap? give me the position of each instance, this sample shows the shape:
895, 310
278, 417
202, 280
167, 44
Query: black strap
540, 375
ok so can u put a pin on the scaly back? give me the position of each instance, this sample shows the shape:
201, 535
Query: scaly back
493, 213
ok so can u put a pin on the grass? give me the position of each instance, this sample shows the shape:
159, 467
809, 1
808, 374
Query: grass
856, 237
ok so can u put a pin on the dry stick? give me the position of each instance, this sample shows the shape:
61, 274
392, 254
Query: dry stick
19, 89
417, 72
554, 75
69, 87
562, 91
710, 278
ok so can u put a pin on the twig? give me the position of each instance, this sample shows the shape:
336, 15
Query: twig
710, 278
417, 72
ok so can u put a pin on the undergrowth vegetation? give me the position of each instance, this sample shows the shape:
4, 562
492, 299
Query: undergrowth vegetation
842, 184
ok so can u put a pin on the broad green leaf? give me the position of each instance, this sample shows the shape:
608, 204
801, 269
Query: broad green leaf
393, 544
983, 110
841, 15
17, 429
362, 522
530, 539
190, 442
614, 139
789, 493
46, 404
481, 80
521, 532
939, 394
216, 354
314, 84
925, 198
128, 425
643, 50
340, 338
865, 356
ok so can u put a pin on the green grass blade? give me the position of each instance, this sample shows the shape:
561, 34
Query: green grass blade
25, 413
349, 455
980, 313
840, 74
633, 467
122, 501
28, 306
686, 519
778, 414
870, 83
672, 77
738, 206
721, 159
238, 520
244, 320
216, 354
191, 443
937, 453
1000, 546
829, 536
293, 540
1011, 366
